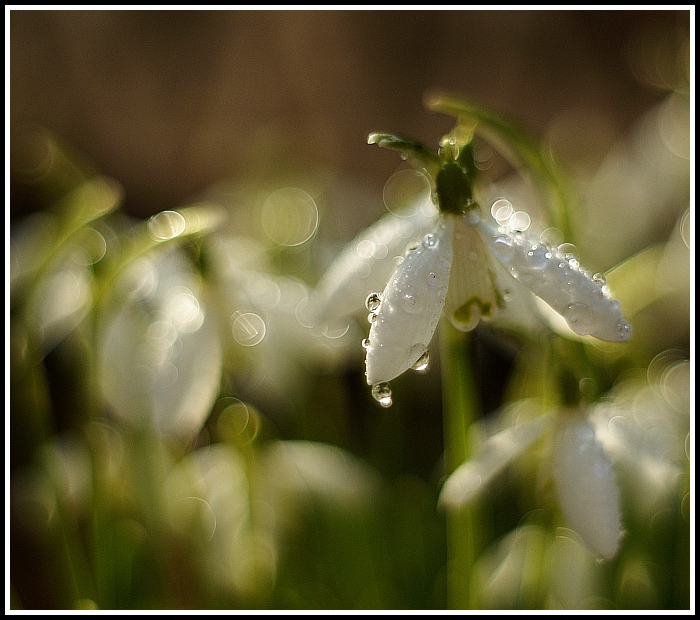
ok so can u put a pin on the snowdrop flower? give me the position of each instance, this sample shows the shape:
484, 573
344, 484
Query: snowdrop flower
160, 353
455, 268
581, 470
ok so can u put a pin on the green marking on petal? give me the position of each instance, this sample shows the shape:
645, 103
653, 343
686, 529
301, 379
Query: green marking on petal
467, 316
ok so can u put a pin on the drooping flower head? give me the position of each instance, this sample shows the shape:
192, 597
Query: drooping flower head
454, 267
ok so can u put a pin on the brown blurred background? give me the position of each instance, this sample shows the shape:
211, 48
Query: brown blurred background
168, 102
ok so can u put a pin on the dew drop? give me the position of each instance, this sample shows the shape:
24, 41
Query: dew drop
365, 343
381, 392
409, 303
373, 301
624, 331
421, 364
538, 257
431, 241
371, 317
411, 246
432, 280
503, 247
599, 279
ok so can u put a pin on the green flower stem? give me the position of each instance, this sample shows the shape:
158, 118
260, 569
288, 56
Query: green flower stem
460, 409
514, 144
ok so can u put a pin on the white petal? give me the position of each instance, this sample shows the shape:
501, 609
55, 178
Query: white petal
160, 355
472, 292
586, 487
470, 477
299, 469
411, 305
558, 280
366, 263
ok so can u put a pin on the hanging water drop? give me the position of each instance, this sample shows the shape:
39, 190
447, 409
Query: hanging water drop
421, 364
381, 392
599, 279
371, 317
365, 343
373, 302
430, 241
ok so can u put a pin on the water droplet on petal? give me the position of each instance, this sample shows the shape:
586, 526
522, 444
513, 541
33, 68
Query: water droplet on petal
421, 364
538, 257
599, 279
409, 303
365, 343
373, 301
381, 392
414, 245
371, 317
503, 247
431, 241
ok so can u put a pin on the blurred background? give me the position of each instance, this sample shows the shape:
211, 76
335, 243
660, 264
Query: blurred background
181, 106
168, 102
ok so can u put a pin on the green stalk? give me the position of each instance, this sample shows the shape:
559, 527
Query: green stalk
460, 409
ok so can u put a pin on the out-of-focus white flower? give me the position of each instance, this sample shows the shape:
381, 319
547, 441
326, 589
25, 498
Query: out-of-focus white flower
238, 509
270, 322
645, 424
160, 357
209, 499
586, 486
51, 259
581, 469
